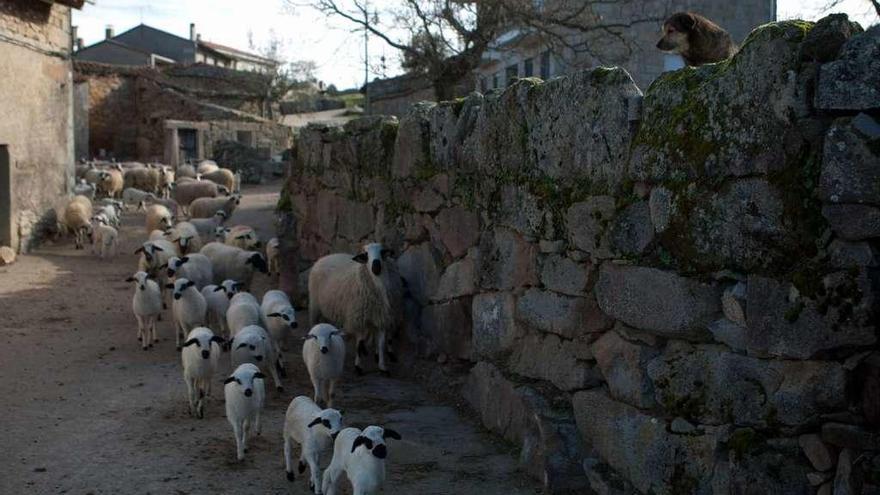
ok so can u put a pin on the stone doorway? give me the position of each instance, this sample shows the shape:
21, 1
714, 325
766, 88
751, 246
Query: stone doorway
5, 197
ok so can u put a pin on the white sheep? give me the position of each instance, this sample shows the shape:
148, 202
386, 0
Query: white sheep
172, 205
363, 295
245, 395
206, 227
199, 357
104, 237
252, 345
232, 262
110, 213
186, 237
220, 234
84, 188
205, 207
188, 309
217, 297
154, 260
207, 166
243, 237
135, 197
314, 429
279, 317
157, 235
324, 354
273, 256
77, 217
185, 193
158, 217
145, 179
361, 456
195, 267
222, 176
186, 170
243, 311
146, 304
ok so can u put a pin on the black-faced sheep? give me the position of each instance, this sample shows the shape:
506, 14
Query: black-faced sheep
314, 429
361, 456
245, 395
199, 358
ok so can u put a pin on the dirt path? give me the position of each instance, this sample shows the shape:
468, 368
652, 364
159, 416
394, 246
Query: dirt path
86, 411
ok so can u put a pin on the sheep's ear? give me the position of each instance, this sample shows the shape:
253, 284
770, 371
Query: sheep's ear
157, 248
130, 279
259, 375
243, 344
387, 252
218, 339
274, 315
219, 288
185, 258
315, 422
361, 258
189, 284
191, 342
230, 380
309, 337
169, 286
389, 433
243, 236
361, 440
139, 250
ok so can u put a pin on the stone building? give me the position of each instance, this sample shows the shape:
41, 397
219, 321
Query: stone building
36, 102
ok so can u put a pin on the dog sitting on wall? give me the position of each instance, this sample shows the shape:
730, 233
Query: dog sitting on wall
697, 39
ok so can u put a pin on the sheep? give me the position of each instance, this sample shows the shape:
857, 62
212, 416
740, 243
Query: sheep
188, 309
187, 192
158, 217
83, 188
154, 259
324, 354
166, 178
157, 235
244, 237
185, 170
77, 215
217, 297
146, 304
168, 203
273, 256
243, 311
245, 394
144, 179
135, 197
220, 234
359, 296
105, 236
222, 176
364, 467
279, 317
207, 166
206, 207
195, 267
199, 357
314, 430
232, 262
252, 344
207, 226
186, 237
94, 175
111, 183
110, 213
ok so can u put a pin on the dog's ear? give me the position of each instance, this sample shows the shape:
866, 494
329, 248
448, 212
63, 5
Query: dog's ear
688, 21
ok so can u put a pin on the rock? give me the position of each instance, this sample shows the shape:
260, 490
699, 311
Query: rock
446, 328
824, 42
826, 489
663, 463
355, 220
850, 436
660, 204
561, 274
733, 302
729, 333
565, 316
852, 82
632, 230
604, 481
622, 364
427, 200
820, 456
817, 479
494, 328
710, 385
846, 480
851, 162
411, 143
506, 261
459, 279
754, 466
682, 426
550, 358
520, 211
656, 301
846, 255
420, 266
587, 223
459, 229
7, 256
547, 247
853, 222
797, 330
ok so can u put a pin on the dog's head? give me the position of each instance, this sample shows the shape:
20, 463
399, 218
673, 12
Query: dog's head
676, 32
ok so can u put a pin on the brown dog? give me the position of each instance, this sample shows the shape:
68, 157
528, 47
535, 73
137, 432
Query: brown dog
697, 39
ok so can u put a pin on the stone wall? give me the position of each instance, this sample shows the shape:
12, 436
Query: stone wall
37, 123
668, 295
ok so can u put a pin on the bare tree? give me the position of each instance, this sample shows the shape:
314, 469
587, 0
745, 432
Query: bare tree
445, 40
836, 3
286, 75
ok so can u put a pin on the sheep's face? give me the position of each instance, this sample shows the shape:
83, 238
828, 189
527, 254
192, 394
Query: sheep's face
203, 342
330, 421
180, 286
174, 264
140, 280
251, 345
258, 261
184, 243
323, 334
220, 233
373, 440
220, 216
373, 256
246, 378
231, 287
287, 314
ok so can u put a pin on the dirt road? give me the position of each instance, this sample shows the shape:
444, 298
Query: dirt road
86, 411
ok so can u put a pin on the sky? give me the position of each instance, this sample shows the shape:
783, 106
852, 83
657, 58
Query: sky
309, 35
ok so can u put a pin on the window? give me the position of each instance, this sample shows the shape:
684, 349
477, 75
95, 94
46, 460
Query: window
512, 72
495, 77
245, 137
545, 65
528, 69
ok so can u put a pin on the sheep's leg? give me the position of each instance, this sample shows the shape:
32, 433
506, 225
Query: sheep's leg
331, 476
380, 349
257, 425
317, 385
238, 431
178, 327
191, 395
357, 355
141, 337
276, 378
153, 329
287, 467
314, 471
331, 384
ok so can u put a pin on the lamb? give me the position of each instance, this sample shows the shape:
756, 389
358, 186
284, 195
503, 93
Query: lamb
143, 178
186, 237
221, 176
243, 311
83, 188
195, 267
245, 394
111, 183
187, 192
279, 317
94, 175
273, 256
244, 237
359, 296
252, 345
324, 354
220, 234
154, 259
166, 178
364, 467
188, 309
314, 430
207, 226
207, 166
158, 217
217, 297
105, 236
232, 262
110, 213
199, 357
136, 197
186, 170
77, 215
146, 306
206, 207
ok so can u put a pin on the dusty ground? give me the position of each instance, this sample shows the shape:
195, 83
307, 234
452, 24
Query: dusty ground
85, 410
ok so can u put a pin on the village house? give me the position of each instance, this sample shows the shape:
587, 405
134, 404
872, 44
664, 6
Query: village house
36, 130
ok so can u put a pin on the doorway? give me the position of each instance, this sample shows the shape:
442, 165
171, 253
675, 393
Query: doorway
189, 144
5, 197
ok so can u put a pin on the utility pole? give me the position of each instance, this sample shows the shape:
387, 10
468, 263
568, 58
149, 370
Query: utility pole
366, 56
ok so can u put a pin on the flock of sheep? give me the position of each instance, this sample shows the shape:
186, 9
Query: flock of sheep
208, 270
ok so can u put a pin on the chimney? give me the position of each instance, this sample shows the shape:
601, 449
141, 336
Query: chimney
73, 32
192, 31
108, 32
